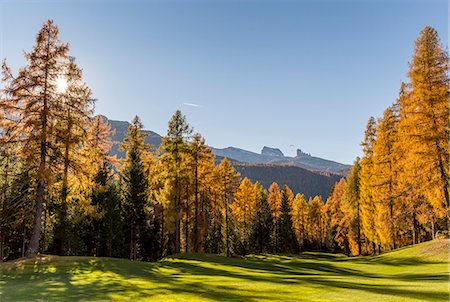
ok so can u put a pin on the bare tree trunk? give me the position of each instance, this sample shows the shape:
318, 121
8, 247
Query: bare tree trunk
359, 231
432, 227
187, 221
131, 243
33, 247
177, 218
2, 246
64, 194
196, 241
391, 223
162, 231
110, 238
227, 240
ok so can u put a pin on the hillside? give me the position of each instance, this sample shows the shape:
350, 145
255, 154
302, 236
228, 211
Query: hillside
304, 176
121, 129
298, 179
268, 155
417, 273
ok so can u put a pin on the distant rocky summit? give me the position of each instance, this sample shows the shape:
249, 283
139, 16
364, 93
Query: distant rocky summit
271, 151
303, 173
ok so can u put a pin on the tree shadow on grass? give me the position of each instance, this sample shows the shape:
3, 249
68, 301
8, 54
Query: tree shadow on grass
193, 276
115, 282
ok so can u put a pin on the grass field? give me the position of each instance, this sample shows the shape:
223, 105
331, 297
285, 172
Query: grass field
418, 273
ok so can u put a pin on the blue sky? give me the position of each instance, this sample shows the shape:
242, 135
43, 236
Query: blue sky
286, 74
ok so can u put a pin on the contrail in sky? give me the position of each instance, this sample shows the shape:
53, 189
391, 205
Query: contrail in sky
192, 105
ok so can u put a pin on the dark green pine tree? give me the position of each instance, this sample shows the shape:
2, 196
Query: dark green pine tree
260, 239
214, 243
286, 240
135, 186
108, 228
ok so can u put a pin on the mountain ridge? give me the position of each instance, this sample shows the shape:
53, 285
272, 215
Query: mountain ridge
303, 173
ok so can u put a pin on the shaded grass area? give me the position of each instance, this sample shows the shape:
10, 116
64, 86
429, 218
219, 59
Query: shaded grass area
418, 273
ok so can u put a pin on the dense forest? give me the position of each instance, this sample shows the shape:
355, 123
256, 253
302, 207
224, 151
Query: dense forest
61, 192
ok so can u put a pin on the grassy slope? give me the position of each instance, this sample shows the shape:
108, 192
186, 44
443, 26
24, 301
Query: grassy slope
419, 273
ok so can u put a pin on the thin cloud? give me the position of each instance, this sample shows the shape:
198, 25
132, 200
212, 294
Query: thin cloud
192, 105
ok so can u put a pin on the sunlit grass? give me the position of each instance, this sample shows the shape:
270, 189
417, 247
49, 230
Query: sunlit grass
419, 273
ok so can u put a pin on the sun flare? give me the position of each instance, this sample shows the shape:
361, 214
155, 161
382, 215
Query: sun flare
61, 84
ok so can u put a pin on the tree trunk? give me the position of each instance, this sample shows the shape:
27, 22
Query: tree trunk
61, 249
131, 243
391, 222
432, 227
359, 230
23, 239
33, 247
187, 222
227, 241
196, 226
110, 239
2, 246
177, 217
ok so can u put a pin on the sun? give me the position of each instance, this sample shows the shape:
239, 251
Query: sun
61, 84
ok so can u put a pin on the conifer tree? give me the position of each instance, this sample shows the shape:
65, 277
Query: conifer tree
337, 215
98, 182
174, 144
260, 239
76, 109
228, 183
108, 227
352, 202
243, 207
384, 178
424, 119
316, 221
34, 91
367, 204
203, 165
135, 185
274, 200
286, 240
300, 219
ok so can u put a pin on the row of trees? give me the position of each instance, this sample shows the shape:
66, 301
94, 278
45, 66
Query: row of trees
400, 186
62, 192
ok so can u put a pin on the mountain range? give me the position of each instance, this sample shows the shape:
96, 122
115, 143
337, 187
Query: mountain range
303, 173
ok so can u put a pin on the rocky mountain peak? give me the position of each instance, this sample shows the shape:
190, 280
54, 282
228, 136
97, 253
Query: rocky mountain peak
301, 153
271, 151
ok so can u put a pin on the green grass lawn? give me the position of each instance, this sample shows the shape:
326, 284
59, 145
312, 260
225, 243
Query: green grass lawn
418, 273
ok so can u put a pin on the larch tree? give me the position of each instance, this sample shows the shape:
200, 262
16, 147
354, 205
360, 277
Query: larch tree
76, 108
425, 118
385, 177
274, 200
228, 183
175, 145
316, 221
352, 203
34, 91
243, 207
300, 219
202, 164
338, 227
101, 187
367, 205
